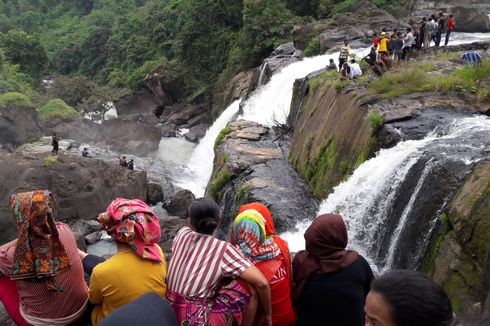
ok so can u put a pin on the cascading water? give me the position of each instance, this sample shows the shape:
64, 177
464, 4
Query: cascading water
269, 103
384, 200
200, 166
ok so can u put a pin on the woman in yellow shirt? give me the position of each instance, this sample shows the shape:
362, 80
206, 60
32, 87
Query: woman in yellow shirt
138, 267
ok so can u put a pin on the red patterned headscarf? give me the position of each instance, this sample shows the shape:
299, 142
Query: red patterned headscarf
39, 253
133, 222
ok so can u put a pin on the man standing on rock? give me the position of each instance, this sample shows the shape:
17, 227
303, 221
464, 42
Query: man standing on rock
344, 54
407, 43
55, 143
450, 28
441, 28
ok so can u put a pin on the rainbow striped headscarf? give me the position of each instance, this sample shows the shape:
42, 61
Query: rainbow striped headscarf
249, 235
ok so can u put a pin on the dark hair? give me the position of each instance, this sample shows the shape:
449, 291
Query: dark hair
352, 60
85, 148
414, 299
409, 29
441, 14
451, 16
204, 215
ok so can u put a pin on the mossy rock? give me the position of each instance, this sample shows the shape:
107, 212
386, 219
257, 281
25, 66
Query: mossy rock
57, 110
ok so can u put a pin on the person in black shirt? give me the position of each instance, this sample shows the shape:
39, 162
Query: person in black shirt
130, 165
55, 142
441, 28
331, 283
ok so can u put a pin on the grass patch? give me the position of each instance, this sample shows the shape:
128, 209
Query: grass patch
315, 170
414, 79
50, 160
376, 121
57, 110
340, 85
225, 131
14, 99
323, 78
447, 56
217, 185
242, 194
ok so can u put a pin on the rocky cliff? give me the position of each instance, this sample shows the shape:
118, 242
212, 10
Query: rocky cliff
459, 259
18, 125
250, 166
83, 187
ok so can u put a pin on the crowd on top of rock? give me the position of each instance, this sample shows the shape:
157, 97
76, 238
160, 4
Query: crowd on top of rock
251, 279
389, 48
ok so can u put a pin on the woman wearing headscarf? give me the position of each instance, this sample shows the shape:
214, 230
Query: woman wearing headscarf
253, 233
210, 282
331, 283
41, 274
139, 265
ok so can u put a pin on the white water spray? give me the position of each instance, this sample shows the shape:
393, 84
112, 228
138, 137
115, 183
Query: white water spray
200, 166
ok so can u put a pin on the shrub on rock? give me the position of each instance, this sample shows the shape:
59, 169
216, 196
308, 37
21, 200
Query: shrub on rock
57, 110
14, 99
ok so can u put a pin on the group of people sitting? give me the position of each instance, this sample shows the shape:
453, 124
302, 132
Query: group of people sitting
125, 163
249, 280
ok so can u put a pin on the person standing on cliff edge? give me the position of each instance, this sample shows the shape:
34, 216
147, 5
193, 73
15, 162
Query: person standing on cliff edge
55, 143
344, 54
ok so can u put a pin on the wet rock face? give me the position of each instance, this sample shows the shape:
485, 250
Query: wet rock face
83, 187
462, 261
18, 125
179, 203
258, 170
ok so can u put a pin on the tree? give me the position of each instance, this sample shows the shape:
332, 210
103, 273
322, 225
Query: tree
25, 50
72, 90
266, 24
101, 100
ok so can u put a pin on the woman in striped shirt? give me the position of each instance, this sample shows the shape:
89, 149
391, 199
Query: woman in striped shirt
41, 274
209, 281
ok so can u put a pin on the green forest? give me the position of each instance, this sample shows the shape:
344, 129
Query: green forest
113, 44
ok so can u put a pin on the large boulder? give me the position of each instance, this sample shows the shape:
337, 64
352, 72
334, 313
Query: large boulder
179, 203
83, 187
18, 125
248, 167
471, 20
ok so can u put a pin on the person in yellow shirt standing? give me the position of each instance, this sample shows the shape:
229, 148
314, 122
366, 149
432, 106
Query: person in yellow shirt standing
383, 45
138, 267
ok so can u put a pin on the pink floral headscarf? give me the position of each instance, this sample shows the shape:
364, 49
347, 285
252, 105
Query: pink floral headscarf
133, 222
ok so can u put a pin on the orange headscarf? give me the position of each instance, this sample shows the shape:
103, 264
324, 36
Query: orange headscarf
262, 209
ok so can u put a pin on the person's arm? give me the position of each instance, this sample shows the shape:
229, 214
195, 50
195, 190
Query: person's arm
254, 277
8, 244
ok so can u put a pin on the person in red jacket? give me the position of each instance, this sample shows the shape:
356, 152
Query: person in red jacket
450, 27
253, 234
375, 40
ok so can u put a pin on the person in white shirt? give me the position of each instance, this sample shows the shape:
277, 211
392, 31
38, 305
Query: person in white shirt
407, 43
355, 69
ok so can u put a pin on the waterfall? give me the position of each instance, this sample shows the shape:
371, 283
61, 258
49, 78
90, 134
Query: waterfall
200, 166
268, 105
262, 72
368, 198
